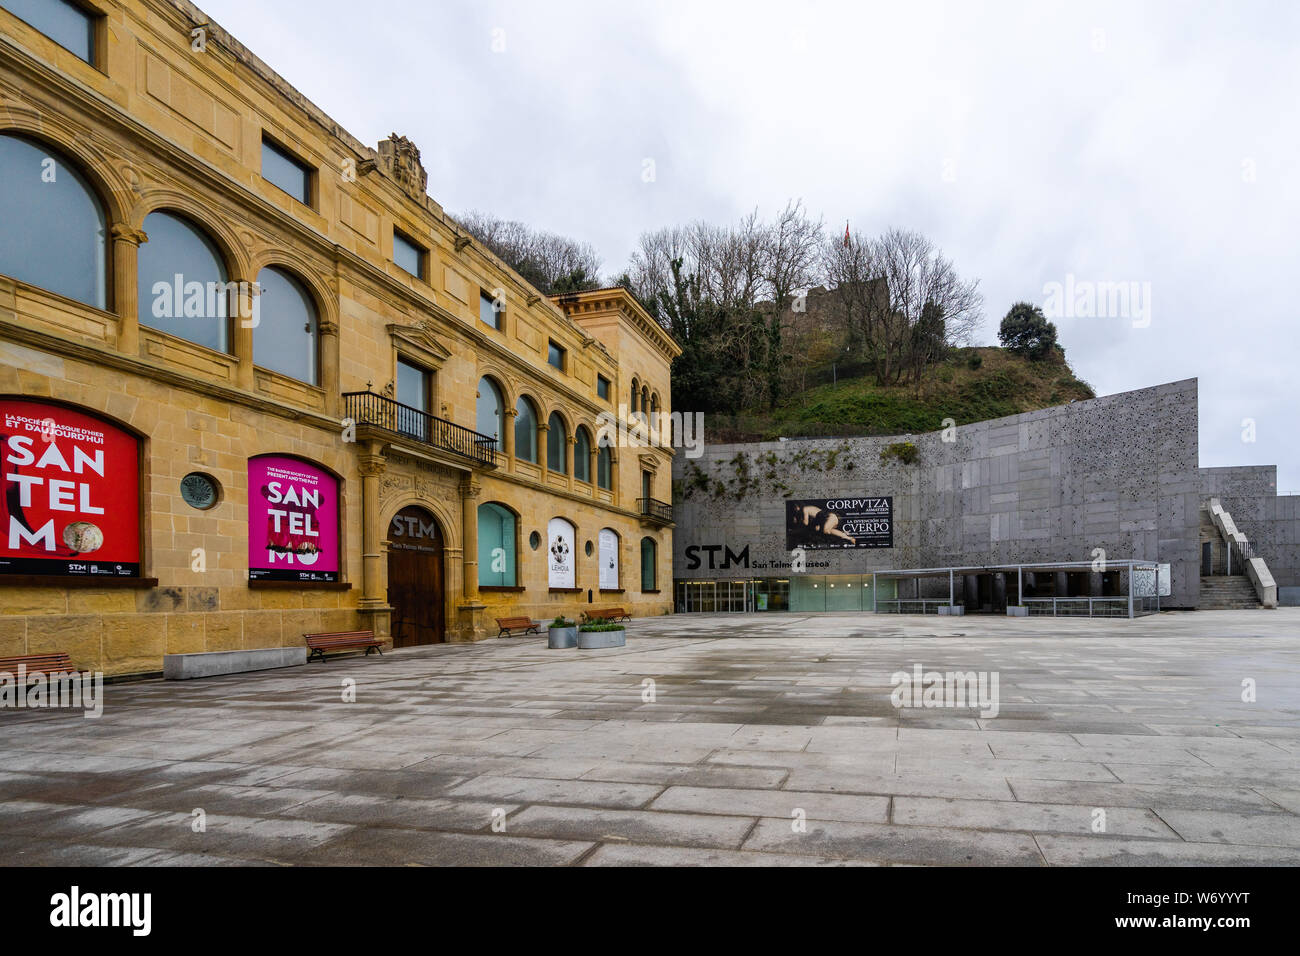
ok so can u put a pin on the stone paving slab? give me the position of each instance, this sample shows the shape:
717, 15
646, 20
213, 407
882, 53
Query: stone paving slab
771, 740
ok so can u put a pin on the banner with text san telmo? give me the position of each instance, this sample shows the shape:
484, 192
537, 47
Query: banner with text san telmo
823, 524
293, 521
70, 502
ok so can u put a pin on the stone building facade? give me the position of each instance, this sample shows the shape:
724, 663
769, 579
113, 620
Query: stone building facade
358, 342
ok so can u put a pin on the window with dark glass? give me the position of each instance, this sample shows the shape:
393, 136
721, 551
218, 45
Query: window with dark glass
53, 232
408, 255
556, 444
649, 555
605, 468
487, 411
281, 168
582, 455
182, 283
525, 431
602, 387
67, 24
555, 356
284, 337
488, 312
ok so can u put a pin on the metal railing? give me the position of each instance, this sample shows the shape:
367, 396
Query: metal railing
1080, 606
911, 606
380, 411
653, 508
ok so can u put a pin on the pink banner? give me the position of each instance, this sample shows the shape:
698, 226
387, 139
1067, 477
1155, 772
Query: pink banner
293, 521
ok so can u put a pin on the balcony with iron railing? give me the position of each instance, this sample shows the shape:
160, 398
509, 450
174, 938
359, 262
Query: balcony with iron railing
380, 411
655, 510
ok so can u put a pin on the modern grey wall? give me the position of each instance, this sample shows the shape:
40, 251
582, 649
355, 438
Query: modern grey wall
1118, 472
1270, 523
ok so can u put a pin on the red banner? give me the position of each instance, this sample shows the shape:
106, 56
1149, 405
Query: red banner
70, 502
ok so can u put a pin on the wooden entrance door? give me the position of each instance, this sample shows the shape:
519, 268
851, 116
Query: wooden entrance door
415, 578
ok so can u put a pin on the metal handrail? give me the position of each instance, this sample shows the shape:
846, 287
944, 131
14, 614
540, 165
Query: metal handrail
380, 411
654, 508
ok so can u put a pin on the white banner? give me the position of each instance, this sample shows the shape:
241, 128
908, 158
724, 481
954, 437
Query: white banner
608, 560
559, 554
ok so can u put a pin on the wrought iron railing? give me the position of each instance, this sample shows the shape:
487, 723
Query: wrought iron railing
659, 510
380, 411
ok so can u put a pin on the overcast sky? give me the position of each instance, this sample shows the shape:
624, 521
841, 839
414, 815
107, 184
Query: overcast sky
1149, 143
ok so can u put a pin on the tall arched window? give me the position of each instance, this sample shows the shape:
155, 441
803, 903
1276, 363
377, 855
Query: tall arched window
53, 231
636, 393
487, 416
182, 283
605, 467
654, 402
557, 441
581, 454
649, 564
284, 333
525, 431
645, 398
496, 546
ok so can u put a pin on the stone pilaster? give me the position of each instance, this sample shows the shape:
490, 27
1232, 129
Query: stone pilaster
126, 294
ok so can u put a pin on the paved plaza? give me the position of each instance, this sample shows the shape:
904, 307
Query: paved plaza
731, 740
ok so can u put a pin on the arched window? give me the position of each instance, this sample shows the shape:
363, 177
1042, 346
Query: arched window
525, 431
604, 467
496, 546
654, 402
182, 283
645, 398
284, 333
487, 416
581, 454
557, 440
636, 393
53, 231
649, 564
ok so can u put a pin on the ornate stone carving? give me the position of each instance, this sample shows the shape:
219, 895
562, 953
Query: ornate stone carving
391, 485
124, 233
371, 466
401, 161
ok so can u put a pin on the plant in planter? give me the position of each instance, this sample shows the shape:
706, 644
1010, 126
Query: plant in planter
562, 633
602, 634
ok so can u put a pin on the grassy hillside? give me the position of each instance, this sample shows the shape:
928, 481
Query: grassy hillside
971, 385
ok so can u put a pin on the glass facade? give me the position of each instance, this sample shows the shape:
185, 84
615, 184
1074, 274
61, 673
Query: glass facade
800, 593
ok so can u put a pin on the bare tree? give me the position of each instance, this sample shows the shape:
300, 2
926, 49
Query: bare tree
902, 300
791, 260
551, 262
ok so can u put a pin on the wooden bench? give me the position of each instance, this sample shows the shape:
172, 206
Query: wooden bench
509, 624
58, 663
342, 641
607, 614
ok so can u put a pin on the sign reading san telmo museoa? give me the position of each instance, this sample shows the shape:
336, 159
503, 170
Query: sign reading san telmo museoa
293, 521
71, 496
826, 523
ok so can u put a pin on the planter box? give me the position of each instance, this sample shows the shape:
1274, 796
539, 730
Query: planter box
593, 639
1017, 610
561, 637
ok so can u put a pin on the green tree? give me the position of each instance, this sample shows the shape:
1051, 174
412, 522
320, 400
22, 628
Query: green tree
1026, 331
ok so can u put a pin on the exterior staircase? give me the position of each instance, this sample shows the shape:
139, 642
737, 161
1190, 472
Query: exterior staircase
1225, 591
